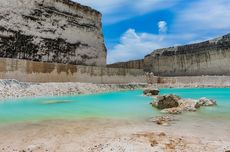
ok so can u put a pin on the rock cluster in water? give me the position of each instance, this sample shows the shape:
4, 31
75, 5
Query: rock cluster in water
172, 104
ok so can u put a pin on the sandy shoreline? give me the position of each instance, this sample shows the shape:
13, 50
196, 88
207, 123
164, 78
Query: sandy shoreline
98, 135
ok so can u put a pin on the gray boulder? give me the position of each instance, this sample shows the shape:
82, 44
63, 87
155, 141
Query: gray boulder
167, 101
151, 92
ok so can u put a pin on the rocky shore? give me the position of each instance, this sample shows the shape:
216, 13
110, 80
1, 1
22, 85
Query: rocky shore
16, 89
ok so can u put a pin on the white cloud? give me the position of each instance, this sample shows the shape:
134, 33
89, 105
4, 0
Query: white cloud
204, 17
162, 26
134, 46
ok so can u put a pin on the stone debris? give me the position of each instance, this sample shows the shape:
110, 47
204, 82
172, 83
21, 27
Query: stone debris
163, 120
16, 89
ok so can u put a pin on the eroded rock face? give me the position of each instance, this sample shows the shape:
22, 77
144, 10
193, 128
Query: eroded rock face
58, 31
205, 58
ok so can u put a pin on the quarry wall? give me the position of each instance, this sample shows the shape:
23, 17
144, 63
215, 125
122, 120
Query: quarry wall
42, 72
205, 58
188, 81
55, 31
31, 71
135, 64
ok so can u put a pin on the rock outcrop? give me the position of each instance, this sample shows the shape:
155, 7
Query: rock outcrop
205, 58
167, 101
58, 31
172, 104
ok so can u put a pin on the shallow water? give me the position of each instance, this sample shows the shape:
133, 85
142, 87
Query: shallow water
115, 105
125, 105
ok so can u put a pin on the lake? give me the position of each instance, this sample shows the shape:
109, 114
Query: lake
114, 105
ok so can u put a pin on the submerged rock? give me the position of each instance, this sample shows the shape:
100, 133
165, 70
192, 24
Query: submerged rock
172, 110
56, 102
163, 120
151, 92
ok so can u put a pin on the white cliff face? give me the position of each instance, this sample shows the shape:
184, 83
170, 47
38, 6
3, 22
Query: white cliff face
205, 58
52, 31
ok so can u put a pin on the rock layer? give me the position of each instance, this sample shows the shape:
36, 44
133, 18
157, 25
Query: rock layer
134, 64
58, 31
205, 58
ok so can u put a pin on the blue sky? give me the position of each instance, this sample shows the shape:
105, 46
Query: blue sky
135, 28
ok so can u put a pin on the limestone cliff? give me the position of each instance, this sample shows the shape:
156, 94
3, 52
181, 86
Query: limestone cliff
58, 31
205, 58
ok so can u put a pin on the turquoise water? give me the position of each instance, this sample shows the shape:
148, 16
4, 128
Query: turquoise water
125, 105
117, 105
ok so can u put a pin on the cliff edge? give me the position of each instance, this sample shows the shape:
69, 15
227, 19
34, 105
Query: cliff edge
59, 31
